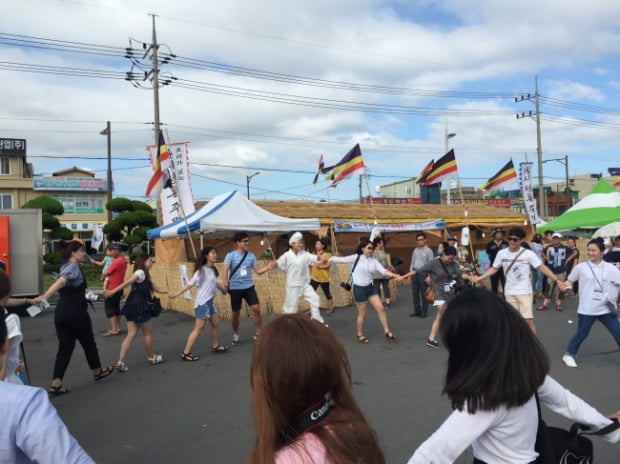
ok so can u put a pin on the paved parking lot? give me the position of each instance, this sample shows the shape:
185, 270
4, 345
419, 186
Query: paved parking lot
200, 412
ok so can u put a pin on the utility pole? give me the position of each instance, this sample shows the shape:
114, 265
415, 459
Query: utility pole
108, 132
155, 72
541, 190
447, 137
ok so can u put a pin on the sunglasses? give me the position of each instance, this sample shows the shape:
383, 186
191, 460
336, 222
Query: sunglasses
513, 239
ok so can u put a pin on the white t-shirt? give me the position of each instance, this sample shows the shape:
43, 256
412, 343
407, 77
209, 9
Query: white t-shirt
518, 281
141, 276
15, 337
206, 282
506, 436
591, 277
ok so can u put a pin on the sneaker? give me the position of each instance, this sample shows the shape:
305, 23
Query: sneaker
156, 359
121, 366
432, 343
569, 360
235, 339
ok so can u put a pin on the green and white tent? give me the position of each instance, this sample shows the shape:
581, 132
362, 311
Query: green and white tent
600, 207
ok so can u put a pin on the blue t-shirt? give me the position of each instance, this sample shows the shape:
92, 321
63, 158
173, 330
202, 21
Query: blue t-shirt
242, 278
72, 274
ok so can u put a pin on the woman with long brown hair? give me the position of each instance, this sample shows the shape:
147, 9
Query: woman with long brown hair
136, 310
205, 280
304, 410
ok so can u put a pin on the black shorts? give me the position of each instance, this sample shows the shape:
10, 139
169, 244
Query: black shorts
324, 286
247, 294
112, 305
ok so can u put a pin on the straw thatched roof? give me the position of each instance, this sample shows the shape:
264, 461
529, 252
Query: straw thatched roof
451, 214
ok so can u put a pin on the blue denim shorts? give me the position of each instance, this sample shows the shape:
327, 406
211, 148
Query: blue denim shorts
140, 319
362, 294
206, 310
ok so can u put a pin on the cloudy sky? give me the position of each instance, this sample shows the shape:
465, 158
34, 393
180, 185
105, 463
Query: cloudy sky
269, 89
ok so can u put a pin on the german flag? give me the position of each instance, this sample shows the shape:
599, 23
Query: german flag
443, 169
161, 177
504, 176
422, 176
347, 167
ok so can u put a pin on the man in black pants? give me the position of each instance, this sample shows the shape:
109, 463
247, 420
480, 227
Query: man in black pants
421, 255
498, 243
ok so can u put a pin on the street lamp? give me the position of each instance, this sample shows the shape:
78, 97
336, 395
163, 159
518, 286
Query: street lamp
108, 131
248, 179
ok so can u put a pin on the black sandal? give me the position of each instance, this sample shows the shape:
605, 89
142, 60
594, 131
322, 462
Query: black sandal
189, 357
103, 373
219, 349
362, 339
390, 335
56, 391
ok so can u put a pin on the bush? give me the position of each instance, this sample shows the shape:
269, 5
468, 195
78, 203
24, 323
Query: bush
52, 257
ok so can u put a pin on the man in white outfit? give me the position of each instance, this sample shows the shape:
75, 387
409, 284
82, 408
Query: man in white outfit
295, 262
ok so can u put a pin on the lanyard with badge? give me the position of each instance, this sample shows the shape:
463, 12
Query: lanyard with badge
597, 294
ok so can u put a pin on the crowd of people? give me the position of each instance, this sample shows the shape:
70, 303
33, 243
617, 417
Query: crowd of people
497, 368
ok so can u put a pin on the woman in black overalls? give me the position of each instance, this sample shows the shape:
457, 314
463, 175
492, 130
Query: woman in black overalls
71, 317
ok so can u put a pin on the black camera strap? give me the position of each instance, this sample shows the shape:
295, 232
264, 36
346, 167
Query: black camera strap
353, 268
309, 419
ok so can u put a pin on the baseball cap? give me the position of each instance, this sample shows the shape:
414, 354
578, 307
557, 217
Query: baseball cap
556, 235
451, 237
114, 246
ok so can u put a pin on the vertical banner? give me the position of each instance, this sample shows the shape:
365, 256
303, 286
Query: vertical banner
183, 271
177, 201
97, 239
529, 202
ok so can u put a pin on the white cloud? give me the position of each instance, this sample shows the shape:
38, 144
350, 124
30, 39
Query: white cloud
456, 45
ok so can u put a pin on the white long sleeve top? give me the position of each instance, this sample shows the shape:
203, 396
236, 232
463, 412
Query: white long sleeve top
506, 436
365, 269
297, 267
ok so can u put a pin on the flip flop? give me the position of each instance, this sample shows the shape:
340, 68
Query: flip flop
57, 391
110, 334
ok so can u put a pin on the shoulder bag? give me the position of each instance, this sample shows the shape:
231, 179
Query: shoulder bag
154, 306
347, 285
558, 446
236, 268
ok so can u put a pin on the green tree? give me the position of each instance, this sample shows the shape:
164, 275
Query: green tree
134, 218
50, 208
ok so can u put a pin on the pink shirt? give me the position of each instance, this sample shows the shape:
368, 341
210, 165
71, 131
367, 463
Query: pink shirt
307, 449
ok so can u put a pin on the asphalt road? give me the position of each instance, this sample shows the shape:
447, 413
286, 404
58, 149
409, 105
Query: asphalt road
199, 412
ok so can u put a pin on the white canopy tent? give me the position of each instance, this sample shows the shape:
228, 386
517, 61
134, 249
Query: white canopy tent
228, 213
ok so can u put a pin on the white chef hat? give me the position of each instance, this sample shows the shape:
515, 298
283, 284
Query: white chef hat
296, 237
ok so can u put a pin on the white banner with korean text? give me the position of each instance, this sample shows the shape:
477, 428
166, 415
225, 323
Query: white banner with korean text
176, 201
527, 191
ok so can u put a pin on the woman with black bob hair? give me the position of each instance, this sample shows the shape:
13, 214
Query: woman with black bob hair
495, 366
